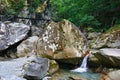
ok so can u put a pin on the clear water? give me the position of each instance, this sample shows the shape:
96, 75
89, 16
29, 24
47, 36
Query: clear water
65, 74
81, 72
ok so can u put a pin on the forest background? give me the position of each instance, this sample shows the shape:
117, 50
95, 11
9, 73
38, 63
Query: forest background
91, 15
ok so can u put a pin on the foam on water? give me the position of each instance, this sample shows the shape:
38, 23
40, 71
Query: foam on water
83, 67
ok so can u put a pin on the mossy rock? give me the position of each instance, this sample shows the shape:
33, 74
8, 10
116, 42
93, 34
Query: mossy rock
109, 39
114, 28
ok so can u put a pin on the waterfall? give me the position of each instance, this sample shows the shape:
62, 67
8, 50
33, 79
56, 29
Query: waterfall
84, 62
83, 67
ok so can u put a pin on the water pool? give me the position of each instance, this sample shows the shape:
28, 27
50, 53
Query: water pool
67, 75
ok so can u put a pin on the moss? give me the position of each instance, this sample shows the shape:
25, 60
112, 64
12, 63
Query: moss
45, 56
105, 46
53, 67
114, 28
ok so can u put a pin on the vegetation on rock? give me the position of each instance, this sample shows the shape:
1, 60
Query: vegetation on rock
93, 15
99, 14
114, 28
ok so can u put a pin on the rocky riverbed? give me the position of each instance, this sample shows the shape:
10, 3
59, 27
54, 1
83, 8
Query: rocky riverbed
28, 52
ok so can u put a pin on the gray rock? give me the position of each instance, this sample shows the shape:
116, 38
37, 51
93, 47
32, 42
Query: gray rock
16, 67
27, 46
110, 39
46, 78
109, 57
17, 32
36, 67
92, 35
13, 67
36, 31
3, 36
11, 77
12, 33
32, 66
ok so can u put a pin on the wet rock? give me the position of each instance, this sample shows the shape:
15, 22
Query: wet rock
12, 33
61, 40
109, 57
109, 39
73, 77
28, 67
113, 75
27, 46
53, 67
55, 76
66, 75
93, 61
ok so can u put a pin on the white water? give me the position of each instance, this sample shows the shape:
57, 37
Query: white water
83, 67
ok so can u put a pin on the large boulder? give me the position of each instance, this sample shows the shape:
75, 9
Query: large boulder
12, 33
62, 40
109, 57
39, 68
28, 67
27, 46
36, 67
109, 39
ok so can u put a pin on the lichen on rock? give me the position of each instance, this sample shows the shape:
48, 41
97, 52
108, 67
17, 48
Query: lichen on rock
110, 39
61, 40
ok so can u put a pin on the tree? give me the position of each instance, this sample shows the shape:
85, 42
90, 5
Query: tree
98, 14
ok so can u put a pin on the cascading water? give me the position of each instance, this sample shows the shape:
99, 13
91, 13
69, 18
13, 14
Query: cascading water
83, 67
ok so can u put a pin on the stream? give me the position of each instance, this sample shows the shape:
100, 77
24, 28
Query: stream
67, 75
80, 73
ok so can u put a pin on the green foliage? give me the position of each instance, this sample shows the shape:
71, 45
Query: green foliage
15, 6
33, 4
114, 28
76, 11
3, 6
90, 14
87, 20
11, 6
99, 14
